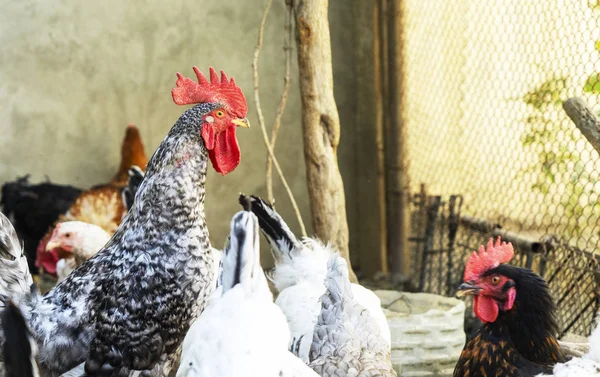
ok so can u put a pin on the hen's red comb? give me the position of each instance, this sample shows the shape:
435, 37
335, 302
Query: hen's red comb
491, 257
223, 91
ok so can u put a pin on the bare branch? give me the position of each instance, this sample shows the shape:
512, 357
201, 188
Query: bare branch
287, 79
261, 118
585, 119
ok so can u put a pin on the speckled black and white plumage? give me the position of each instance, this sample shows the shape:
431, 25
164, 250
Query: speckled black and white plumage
128, 308
15, 278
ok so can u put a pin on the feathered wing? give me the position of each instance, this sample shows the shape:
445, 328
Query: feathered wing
300, 305
347, 339
15, 278
372, 303
283, 242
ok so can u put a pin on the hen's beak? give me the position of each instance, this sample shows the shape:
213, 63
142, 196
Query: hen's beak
241, 122
52, 245
467, 289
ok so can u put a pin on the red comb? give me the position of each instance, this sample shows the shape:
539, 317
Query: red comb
491, 257
224, 92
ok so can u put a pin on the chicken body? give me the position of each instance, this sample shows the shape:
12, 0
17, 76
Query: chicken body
129, 306
242, 333
299, 275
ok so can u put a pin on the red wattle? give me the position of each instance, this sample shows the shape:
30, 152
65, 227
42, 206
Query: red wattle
485, 308
225, 156
47, 260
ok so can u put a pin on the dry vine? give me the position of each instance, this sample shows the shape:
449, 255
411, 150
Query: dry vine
277, 122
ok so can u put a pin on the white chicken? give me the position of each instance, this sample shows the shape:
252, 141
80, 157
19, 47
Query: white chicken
588, 365
241, 332
78, 241
299, 276
347, 340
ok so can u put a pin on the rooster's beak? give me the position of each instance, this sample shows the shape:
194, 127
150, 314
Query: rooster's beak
52, 245
467, 289
241, 122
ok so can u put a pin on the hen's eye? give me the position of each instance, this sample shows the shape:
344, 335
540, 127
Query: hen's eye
495, 280
67, 235
219, 113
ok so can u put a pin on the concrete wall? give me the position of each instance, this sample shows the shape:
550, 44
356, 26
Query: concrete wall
73, 74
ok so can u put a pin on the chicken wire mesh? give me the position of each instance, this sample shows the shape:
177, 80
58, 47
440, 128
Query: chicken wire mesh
483, 91
443, 238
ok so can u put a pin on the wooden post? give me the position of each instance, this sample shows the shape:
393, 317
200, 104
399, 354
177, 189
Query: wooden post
321, 125
369, 162
396, 165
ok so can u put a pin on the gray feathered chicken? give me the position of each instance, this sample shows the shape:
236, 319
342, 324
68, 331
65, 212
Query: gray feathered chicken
347, 340
129, 307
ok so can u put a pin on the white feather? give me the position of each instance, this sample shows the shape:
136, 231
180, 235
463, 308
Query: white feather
588, 365
241, 332
307, 268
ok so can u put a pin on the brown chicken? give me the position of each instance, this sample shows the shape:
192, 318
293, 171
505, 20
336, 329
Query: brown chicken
518, 336
101, 205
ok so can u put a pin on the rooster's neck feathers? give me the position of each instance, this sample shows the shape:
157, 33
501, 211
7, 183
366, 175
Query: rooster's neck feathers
531, 323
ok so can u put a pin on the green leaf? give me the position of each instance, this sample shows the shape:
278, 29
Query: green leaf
592, 84
597, 45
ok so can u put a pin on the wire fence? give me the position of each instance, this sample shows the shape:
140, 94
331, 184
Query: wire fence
443, 238
483, 94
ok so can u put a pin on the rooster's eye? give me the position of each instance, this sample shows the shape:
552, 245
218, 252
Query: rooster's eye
495, 280
219, 113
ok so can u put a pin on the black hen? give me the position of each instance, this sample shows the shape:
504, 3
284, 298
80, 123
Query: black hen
33, 209
518, 337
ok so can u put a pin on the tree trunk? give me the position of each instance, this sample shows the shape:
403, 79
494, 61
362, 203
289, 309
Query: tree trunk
321, 125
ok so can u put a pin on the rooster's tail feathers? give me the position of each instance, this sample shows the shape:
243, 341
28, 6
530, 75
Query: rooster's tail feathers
241, 259
281, 239
136, 176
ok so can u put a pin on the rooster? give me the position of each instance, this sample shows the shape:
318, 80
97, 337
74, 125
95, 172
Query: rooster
102, 205
347, 340
242, 333
518, 336
128, 307
299, 276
